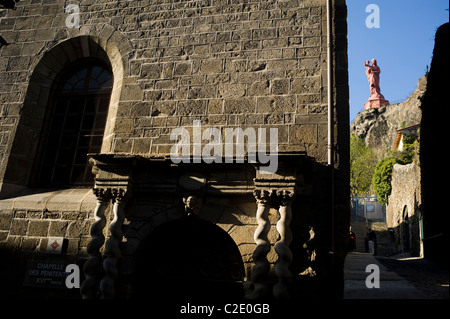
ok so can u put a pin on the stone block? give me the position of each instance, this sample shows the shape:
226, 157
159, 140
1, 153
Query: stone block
236, 65
163, 108
305, 86
51, 215
308, 99
259, 88
317, 109
264, 33
243, 234
131, 93
251, 45
201, 49
58, 228
20, 214
280, 86
19, 227
123, 145
76, 215
7, 23
284, 65
30, 243
246, 251
166, 84
202, 92
311, 118
44, 35
215, 106
124, 125
271, 104
34, 214
182, 68
232, 90
141, 146
275, 43
236, 106
38, 228
3, 235
5, 219
303, 134
211, 66
191, 107
302, 109
77, 229
140, 109
274, 118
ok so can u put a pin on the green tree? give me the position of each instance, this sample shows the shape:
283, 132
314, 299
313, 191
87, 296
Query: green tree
410, 150
381, 180
362, 165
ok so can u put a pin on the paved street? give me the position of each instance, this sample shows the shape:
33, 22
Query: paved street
392, 286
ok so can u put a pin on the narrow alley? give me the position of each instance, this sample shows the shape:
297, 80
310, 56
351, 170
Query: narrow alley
400, 277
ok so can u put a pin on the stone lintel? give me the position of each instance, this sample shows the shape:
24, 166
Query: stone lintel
161, 175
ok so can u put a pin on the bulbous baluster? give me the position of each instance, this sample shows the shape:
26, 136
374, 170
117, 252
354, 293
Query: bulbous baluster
262, 265
92, 267
281, 267
112, 248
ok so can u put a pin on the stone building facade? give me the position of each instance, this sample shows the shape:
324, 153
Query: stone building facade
119, 87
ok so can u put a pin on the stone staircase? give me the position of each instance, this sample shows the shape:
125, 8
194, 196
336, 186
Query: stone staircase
385, 244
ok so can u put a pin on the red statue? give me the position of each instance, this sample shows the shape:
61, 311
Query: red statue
376, 99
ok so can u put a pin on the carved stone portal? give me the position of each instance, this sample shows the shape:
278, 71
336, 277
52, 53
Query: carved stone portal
115, 180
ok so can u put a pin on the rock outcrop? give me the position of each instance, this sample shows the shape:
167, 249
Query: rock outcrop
378, 127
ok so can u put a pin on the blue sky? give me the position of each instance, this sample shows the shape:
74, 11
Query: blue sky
403, 46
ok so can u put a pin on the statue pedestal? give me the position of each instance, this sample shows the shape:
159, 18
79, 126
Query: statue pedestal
374, 103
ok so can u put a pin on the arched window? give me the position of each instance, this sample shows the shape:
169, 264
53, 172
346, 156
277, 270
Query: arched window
74, 126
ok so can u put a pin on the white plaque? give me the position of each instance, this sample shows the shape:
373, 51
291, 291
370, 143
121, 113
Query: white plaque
55, 244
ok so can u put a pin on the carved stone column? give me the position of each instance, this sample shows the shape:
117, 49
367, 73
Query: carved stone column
112, 248
262, 265
281, 267
92, 267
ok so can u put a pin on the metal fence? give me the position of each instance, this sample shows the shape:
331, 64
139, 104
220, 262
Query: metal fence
367, 208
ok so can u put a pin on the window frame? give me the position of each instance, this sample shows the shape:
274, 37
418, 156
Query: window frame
57, 95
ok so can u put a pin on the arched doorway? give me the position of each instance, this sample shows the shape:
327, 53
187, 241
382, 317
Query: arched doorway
185, 259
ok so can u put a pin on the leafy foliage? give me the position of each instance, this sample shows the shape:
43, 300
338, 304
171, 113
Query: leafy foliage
381, 179
362, 165
410, 150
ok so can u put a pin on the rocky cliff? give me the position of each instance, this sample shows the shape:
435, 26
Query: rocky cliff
378, 127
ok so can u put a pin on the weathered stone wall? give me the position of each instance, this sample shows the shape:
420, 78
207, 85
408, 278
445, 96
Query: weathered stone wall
229, 64
403, 210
